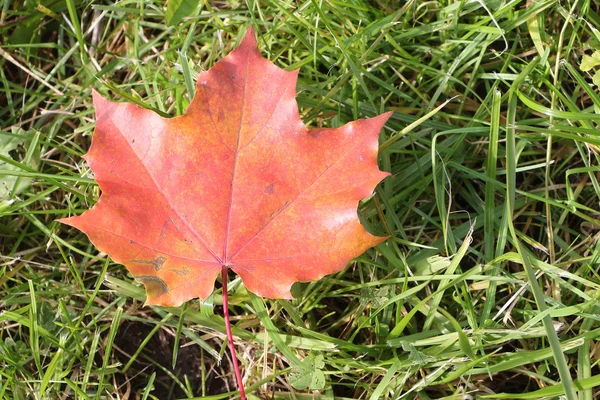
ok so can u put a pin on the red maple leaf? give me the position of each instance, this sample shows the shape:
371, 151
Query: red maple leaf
236, 182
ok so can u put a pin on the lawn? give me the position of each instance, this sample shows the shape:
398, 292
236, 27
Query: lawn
487, 287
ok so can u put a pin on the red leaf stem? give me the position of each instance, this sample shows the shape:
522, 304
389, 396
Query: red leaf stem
234, 360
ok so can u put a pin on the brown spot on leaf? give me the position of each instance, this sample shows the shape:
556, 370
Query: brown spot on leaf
270, 189
157, 263
155, 286
183, 272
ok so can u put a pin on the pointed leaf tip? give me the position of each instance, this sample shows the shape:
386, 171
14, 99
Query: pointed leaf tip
383, 118
101, 104
250, 36
248, 43
97, 98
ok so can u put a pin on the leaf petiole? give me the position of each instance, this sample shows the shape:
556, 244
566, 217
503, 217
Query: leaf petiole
234, 360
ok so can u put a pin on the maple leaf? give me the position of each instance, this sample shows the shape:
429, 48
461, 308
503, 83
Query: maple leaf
236, 182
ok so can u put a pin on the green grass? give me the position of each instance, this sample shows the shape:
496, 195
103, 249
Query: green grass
488, 285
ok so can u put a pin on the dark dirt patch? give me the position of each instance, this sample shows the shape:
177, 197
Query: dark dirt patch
160, 350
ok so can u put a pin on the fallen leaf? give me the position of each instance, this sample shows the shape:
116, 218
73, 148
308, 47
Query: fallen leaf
596, 79
236, 182
309, 374
589, 62
179, 9
13, 185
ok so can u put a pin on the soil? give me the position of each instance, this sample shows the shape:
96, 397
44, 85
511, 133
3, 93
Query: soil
160, 350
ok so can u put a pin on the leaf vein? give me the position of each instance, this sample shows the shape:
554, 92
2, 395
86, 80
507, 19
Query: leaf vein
299, 195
